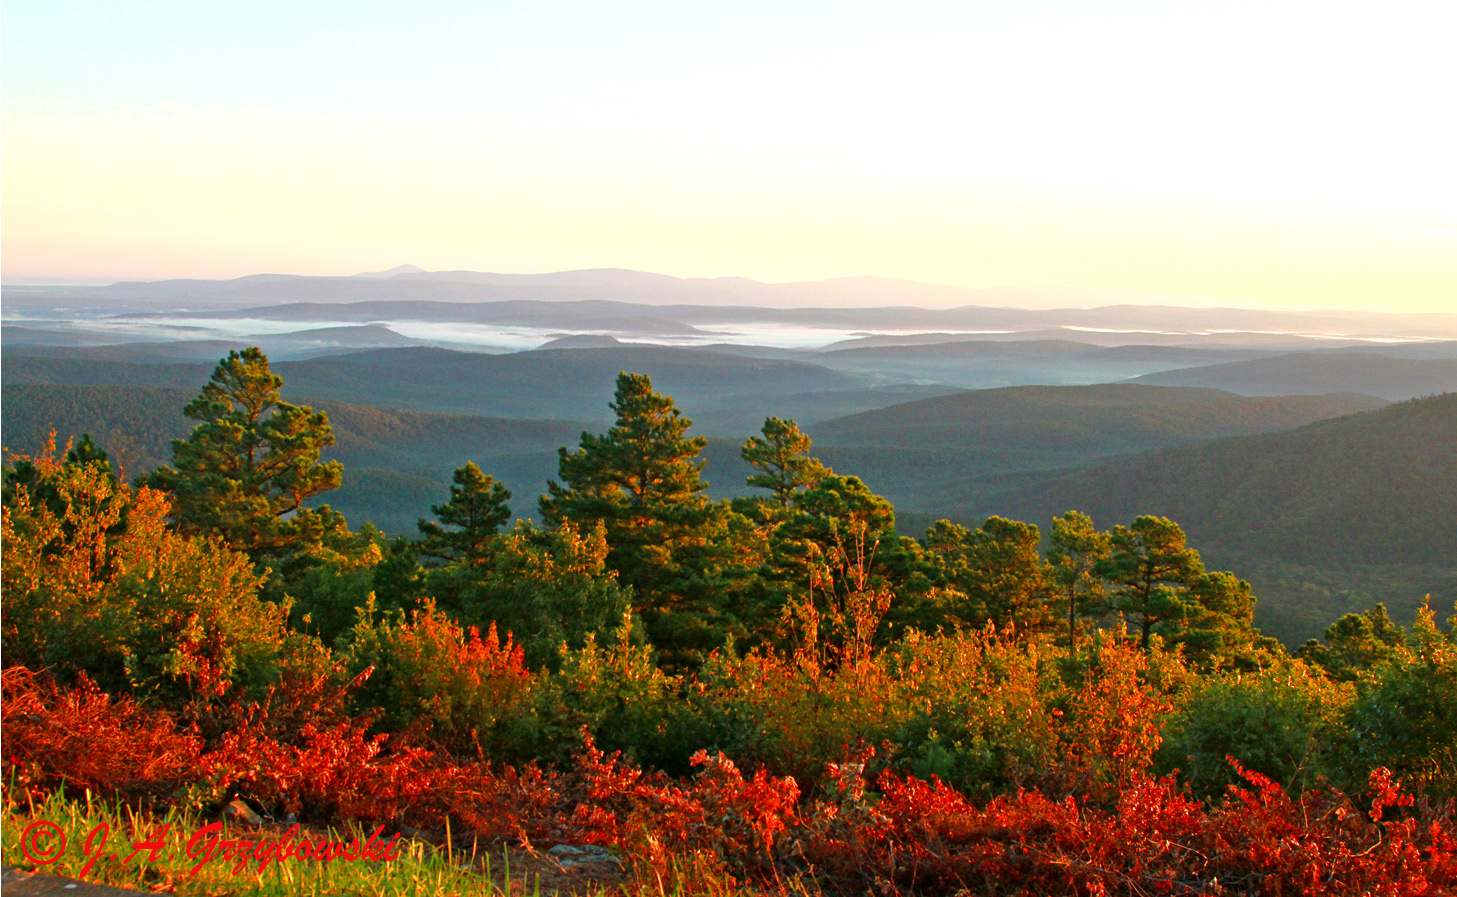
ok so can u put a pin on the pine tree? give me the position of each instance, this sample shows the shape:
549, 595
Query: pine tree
782, 457
995, 570
1150, 568
641, 482
635, 478
476, 510
1357, 642
251, 463
1218, 631
1076, 549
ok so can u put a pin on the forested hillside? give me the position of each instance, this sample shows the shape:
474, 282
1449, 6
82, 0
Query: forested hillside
1283, 508
567, 384
933, 455
917, 452
1311, 372
1322, 518
1082, 420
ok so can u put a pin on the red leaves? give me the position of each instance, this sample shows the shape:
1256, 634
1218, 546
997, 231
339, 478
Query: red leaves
1155, 840
905, 834
84, 737
719, 812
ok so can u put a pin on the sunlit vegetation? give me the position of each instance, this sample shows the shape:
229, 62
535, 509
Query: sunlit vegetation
781, 692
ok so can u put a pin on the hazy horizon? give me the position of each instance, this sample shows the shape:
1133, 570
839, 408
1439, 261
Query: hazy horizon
995, 296
1276, 155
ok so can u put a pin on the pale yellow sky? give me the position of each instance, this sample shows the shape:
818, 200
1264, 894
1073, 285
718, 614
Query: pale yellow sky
1286, 155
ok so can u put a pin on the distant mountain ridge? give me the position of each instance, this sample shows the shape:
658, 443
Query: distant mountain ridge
703, 300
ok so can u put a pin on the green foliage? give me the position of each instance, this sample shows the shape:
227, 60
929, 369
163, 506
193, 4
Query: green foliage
781, 455
678, 551
327, 588
1148, 568
632, 477
1074, 553
1273, 721
548, 587
617, 694
983, 710
469, 520
997, 574
1357, 643
251, 463
1405, 715
138, 607
832, 561
1218, 626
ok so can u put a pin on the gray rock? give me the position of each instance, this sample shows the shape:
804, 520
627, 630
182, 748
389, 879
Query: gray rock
241, 813
591, 862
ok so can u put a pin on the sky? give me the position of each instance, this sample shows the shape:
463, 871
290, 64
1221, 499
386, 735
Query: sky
1264, 154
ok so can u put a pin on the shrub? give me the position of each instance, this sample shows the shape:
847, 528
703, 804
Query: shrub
136, 605
429, 672
549, 587
980, 709
85, 738
1405, 716
618, 696
790, 714
1272, 721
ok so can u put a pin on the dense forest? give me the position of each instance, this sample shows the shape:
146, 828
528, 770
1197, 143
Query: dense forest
779, 685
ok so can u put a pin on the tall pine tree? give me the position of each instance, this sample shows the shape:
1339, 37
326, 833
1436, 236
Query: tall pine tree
1149, 567
251, 462
641, 481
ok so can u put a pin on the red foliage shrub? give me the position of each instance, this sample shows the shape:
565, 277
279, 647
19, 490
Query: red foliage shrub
428, 670
736, 822
905, 835
927, 837
86, 738
335, 772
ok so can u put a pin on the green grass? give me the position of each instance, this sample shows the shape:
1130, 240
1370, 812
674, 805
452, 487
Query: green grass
420, 870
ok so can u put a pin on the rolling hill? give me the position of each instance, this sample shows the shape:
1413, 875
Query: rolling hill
1310, 372
570, 384
939, 455
1080, 420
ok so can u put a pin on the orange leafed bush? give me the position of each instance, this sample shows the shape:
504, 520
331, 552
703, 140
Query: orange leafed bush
88, 739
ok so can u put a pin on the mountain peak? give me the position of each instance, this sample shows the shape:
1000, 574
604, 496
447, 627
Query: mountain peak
398, 269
